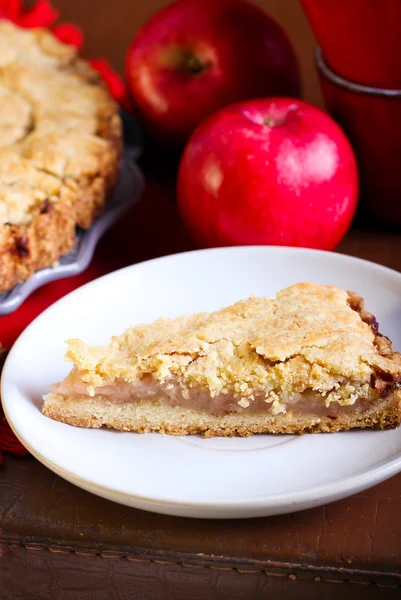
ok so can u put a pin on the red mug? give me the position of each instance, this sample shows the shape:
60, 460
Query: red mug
360, 39
371, 118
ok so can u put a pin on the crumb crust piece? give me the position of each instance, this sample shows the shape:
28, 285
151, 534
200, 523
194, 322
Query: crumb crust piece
309, 339
60, 149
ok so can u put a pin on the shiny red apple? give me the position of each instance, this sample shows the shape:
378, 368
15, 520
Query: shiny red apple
196, 56
270, 171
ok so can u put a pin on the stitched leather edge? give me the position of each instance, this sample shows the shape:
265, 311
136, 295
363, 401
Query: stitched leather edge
303, 574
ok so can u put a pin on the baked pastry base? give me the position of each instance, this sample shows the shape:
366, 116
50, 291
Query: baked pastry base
145, 417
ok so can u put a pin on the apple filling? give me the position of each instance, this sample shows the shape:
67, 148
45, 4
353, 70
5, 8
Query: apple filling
308, 402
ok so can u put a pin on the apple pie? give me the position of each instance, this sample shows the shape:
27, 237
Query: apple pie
309, 360
60, 147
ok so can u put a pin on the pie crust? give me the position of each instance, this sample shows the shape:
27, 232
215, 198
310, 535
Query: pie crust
60, 149
310, 360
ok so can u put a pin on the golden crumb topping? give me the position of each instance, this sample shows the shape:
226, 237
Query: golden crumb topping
52, 106
307, 338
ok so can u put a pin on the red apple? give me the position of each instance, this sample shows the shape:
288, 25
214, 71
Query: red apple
270, 171
196, 56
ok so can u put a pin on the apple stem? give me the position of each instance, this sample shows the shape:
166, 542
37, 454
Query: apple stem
193, 65
269, 121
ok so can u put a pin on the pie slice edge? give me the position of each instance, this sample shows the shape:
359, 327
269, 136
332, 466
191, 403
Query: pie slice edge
310, 360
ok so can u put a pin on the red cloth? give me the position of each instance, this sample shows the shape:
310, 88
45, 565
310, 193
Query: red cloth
8, 441
43, 14
113, 81
69, 34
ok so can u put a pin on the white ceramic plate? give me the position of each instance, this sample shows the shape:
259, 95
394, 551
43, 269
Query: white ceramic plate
191, 476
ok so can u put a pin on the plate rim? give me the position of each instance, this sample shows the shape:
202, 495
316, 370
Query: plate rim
318, 492
219, 249
316, 495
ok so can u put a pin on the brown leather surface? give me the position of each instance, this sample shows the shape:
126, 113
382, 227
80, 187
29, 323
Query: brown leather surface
49, 575
56, 540
362, 532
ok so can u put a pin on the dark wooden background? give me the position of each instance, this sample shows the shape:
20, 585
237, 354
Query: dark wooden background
110, 25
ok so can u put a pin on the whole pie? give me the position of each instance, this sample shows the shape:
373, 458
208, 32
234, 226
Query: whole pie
309, 360
60, 147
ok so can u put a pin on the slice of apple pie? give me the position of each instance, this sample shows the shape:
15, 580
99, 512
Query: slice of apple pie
310, 360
